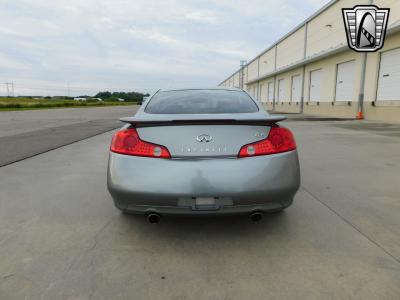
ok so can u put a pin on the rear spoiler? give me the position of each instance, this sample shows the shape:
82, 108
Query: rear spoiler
239, 121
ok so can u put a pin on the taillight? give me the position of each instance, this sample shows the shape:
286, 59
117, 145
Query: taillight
128, 142
279, 140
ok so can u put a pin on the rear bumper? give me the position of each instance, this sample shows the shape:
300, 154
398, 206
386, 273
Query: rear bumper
170, 186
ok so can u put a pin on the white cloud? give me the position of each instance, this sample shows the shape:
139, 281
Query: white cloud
143, 43
203, 17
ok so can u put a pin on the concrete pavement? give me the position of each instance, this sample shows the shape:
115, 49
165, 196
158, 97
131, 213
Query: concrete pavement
61, 237
27, 133
23, 121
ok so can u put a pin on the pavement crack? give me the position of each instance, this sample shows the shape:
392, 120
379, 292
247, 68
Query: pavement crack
95, 242
8, 276
91, 248
350, 224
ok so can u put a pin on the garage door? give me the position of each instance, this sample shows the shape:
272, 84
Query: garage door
264, 93
281, 90
389, 76
345, 81
315, 85
253, 92
296, 88
270, 91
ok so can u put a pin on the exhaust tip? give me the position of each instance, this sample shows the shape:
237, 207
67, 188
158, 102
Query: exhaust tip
256, 216
153, 218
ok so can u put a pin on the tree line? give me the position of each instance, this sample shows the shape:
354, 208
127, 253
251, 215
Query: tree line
127, 96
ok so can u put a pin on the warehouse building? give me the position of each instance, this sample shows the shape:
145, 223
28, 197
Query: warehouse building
311, 69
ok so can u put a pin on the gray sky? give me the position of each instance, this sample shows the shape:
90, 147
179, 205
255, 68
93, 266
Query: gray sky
135, 44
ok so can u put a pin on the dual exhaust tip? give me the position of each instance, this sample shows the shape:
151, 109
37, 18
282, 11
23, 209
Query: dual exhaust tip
256, 216
155, 218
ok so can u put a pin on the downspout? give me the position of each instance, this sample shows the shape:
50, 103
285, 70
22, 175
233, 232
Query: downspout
360, 114
361, 94
258, 83
274, 98
303, 69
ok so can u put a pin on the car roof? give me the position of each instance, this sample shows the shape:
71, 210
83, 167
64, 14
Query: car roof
201, 88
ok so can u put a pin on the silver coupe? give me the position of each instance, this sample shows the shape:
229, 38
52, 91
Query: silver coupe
213, 151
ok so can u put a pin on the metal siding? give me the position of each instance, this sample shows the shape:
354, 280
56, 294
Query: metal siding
394, 9
253, 70
267, 62
291, 49
236, 79
327, 30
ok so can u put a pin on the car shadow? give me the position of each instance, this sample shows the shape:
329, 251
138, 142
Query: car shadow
209, 227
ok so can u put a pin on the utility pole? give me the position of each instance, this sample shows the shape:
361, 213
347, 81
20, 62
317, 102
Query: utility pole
12, 88
8, 90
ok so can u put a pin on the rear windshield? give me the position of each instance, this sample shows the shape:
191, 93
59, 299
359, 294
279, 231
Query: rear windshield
201, 102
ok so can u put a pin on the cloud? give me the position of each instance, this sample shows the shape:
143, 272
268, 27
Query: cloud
206, 17
143, 44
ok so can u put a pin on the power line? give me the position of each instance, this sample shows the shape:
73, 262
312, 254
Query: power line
80, 87
24, 87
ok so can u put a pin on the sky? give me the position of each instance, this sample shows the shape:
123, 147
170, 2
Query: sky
61, 47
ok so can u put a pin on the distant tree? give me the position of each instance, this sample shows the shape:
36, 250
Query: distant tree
127, 96
103, 95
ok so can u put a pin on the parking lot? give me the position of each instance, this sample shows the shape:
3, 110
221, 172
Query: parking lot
62, 238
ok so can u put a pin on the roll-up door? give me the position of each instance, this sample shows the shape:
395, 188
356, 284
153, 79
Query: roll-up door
389, 76
315, 85
264, 93
296, 88
345, 81
281, 90
270, 91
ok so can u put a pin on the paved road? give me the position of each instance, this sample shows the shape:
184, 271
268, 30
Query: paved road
17, 122
61, 237
24, 134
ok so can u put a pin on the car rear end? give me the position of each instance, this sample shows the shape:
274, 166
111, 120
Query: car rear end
202, 152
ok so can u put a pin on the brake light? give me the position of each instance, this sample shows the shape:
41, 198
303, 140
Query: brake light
280, 139
128, 142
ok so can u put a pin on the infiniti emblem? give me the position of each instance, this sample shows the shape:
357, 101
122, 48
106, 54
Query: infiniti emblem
204, 138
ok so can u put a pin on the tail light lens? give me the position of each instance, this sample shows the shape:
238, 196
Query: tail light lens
280, 139
128, 142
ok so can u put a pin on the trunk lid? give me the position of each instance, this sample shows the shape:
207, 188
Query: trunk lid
203, 140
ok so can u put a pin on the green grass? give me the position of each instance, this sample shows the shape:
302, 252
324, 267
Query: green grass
7, 104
